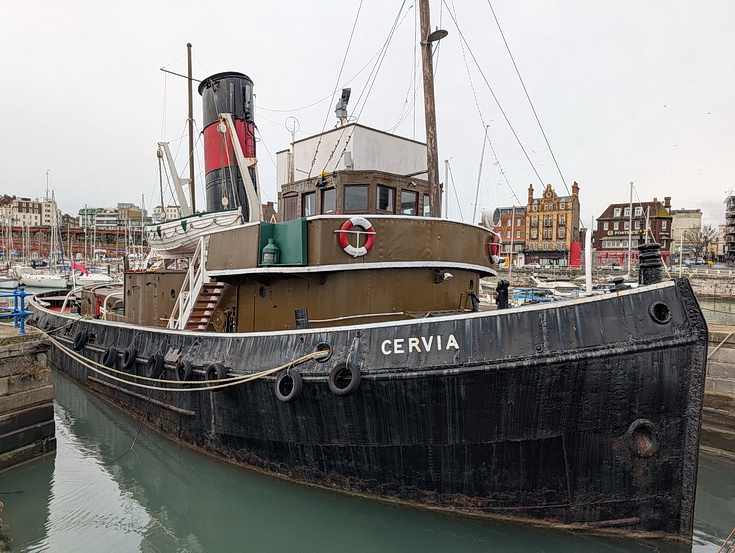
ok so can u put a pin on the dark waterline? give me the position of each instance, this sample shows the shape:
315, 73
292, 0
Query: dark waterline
161, 497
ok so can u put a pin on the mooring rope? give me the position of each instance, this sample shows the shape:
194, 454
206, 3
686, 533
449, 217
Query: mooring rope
206, 384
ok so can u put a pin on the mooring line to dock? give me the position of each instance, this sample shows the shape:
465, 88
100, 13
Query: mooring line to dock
205, 384
729, 549
711, 353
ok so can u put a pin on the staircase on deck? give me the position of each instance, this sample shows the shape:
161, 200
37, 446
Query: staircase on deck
204, 306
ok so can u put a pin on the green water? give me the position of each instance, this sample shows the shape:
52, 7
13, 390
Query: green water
97, 494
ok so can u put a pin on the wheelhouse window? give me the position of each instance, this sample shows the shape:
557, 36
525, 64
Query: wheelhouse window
290, 207
427, 205
356, 197
386, 199
308, 204
409, 202
329, 200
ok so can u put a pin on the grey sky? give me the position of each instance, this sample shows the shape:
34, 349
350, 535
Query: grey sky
625, 91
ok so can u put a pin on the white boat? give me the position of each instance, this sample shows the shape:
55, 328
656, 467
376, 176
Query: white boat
560, 288
41, 280
179, 237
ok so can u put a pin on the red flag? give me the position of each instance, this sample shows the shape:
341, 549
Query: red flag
80, 267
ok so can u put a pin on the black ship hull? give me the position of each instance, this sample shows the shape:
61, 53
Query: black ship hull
583, 413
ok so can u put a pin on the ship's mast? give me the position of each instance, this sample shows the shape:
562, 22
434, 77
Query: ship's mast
432, 155
192, 193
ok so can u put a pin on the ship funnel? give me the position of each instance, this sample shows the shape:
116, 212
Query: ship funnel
232, 93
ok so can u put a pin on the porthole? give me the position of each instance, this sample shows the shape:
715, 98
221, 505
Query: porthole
660, 312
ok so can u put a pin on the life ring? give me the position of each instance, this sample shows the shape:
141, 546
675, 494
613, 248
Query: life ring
80, 340
129, 358
344, 239
494, 247
155, 365
344, 379
184, 371
110, 358
289, 385
216, 371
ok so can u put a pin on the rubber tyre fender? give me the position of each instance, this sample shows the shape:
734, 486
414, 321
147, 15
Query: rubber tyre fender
129, 358
285, 393
80, 340
184, 371
154, 368
109, 359
216, 371
337, 377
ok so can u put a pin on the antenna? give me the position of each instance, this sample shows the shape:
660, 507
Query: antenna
341, 108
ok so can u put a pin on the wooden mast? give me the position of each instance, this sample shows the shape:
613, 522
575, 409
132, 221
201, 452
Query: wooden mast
192, 190
432, 155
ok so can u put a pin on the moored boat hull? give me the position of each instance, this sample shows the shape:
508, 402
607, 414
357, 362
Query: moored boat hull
581, 413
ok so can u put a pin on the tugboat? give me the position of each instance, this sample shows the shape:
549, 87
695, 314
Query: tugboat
343, 346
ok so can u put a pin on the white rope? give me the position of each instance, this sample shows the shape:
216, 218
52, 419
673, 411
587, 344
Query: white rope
225, 382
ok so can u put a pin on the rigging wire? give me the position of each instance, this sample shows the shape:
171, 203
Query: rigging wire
372, 78
528, 97
339, 76
492, 92
454, 187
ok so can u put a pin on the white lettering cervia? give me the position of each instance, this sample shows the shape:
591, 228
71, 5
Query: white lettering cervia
418, 345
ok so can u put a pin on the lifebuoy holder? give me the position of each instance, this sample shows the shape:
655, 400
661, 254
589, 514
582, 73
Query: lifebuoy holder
345, 231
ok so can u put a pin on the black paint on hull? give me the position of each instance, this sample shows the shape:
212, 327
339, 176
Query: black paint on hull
585, 413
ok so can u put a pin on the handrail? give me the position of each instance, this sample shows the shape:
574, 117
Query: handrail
190, 288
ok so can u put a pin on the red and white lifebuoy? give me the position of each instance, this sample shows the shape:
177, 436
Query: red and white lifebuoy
346, 230
495, 247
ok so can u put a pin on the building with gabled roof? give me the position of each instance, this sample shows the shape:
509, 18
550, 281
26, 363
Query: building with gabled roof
642, 222
552, 228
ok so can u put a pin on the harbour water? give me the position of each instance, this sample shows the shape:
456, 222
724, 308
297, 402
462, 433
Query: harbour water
113, 485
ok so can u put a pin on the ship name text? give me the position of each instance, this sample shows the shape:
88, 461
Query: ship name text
419, 345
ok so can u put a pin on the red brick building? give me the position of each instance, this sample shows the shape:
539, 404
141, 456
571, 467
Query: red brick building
644, 221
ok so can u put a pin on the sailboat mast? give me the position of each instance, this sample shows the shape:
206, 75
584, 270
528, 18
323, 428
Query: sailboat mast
432, 155
630, 226
192, 194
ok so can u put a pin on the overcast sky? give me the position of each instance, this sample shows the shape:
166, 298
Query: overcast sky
625, 91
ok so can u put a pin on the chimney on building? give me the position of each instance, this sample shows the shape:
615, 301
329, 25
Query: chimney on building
575, 190
530, 193
667, 202
655, 201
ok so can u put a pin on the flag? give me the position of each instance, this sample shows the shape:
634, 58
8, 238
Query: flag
80, 267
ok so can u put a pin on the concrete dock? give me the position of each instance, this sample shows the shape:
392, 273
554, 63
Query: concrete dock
718, 420
26, 397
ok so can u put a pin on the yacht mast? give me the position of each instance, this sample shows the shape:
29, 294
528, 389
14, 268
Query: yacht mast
630, 226
192, 191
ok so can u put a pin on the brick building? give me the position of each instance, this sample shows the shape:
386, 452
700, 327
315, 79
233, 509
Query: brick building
552, 228
644, 221
510, 222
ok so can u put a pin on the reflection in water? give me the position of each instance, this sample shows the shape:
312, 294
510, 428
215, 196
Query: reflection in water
162, 497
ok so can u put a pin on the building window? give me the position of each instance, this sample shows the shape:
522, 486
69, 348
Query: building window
535, 208
562, 219
308, 204
518, 234
663, 225
290, 207
561, 205
409, 202
626, 213
615, 225
638, 211
534, 233
605, 226
636, 225
356, 197
616, 212
507, 234
386, 199
427, 205
562, 233
329, 200
626, 225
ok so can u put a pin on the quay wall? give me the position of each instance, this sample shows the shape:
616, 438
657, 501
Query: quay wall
718, 417
26, 397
